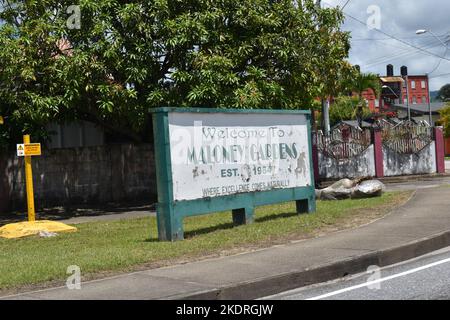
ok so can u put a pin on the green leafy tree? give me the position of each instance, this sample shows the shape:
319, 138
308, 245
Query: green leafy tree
444, 93
345, 108
130, 56
445, 119
360, 83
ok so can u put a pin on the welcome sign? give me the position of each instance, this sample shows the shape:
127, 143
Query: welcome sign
223, 154
211, 160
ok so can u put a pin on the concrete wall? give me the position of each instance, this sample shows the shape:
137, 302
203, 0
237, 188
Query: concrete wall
396, 164
447, 146
89, 175
360, 166
75, 135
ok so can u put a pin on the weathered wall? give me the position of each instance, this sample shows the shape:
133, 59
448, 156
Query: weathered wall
89, 175
447, 146
396, 164
360, 166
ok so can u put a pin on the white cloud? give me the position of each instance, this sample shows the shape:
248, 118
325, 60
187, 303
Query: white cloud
400, 18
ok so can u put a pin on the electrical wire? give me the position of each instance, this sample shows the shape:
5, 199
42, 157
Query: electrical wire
400, 40
404, 54
440, 75
393, 37
345, 4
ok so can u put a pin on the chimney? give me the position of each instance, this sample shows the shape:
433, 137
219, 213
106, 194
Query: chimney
390, 70
404, 71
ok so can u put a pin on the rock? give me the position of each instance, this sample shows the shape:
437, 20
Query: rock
349, 189
367, 189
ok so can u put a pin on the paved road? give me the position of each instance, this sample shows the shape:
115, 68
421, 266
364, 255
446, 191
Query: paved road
424, 278
414, 185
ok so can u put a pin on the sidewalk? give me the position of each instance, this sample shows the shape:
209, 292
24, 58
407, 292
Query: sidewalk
420, 226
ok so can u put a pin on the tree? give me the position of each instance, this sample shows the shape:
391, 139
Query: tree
445, 119
444, 93
130, 56
345, 108
360, 83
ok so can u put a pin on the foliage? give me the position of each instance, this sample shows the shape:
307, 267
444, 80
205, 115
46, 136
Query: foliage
444, 93
130, 56
445, 119
364, 81
360, 83
346, 108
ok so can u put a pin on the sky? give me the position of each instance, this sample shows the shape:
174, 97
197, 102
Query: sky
373, 48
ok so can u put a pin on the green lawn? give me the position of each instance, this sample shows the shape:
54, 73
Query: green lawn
123, 245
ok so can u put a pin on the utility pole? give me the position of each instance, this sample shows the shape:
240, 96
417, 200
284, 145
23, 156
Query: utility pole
404, 73
407, 98
325, 102
445, 44
430, 115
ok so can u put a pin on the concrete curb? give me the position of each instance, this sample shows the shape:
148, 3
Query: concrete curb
269, 286
396, 179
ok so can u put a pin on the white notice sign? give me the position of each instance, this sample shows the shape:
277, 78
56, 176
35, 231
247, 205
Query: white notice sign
21, 150
220, 154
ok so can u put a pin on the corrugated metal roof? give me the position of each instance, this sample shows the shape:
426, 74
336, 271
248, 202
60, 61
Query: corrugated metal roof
392, 79
422, 107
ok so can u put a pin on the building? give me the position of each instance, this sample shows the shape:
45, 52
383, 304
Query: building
420, 112
399, 89
371, 100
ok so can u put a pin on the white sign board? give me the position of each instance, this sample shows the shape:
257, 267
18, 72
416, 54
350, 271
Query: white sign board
220, 154
21, 150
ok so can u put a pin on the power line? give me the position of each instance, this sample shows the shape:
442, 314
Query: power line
402, 52
391, 57
440, 75
343, 7
400, 40
393, 37
390, 39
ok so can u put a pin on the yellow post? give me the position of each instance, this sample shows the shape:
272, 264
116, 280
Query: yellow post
29, 183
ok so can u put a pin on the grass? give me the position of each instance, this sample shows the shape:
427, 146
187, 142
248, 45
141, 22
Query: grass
101, 248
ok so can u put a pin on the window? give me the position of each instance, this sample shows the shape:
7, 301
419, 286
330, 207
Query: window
405, 101
424, 84
413, 84
414, 100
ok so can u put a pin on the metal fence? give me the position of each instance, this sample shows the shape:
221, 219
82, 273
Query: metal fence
344, 141
406, 137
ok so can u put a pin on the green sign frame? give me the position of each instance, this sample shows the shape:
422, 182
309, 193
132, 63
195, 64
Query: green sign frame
170, 213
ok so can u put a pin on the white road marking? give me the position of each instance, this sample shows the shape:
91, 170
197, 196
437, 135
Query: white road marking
369, 283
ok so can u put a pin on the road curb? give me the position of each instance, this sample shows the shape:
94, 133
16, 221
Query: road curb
288, 281
397, 179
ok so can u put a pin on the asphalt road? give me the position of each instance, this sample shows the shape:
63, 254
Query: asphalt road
422, 184
423, 278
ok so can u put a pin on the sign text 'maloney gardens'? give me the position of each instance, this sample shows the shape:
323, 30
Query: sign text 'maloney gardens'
222, 159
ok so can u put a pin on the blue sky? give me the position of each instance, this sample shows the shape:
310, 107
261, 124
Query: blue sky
373, 50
